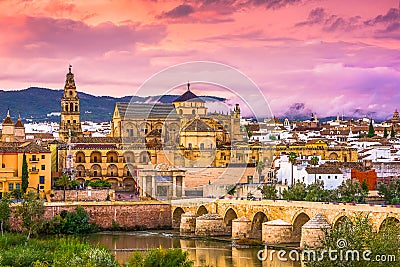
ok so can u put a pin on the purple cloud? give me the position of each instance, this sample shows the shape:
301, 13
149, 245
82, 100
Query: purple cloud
178, 12
66, 37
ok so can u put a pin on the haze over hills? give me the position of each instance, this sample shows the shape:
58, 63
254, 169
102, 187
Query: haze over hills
35, 103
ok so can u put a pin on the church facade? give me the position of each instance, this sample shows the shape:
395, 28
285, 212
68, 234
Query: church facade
145, 136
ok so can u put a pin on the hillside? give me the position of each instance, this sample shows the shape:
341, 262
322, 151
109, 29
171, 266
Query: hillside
35, 103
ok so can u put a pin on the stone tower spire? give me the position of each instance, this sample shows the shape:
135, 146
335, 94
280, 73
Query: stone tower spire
70, 109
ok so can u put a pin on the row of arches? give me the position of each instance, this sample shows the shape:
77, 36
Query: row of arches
111, 157
71, 107
112, 171
260, 217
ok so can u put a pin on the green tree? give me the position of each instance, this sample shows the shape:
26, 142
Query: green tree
391, 192
260, 166
5, 211
316, 192
351, 191
248, 131
25, 181
295, 192
292, 160
269, 191
314, 161
385, 133
231, 189
365, 189
31, 212
64, 181
357, 234
392, 133
371, 130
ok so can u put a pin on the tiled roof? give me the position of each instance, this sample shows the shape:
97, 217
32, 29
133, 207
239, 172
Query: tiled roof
19, 124
8, 120
143, 110
188, 96
323, 170
318, 222
197, 125
95, 146
26, 147
96, 140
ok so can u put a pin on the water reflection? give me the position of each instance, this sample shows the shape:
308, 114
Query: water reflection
202, 252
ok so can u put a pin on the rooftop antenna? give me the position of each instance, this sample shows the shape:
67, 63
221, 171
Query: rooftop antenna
188, 86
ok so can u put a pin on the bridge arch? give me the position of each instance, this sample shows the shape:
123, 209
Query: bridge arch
256, 225
176, 217
201, 211
229, 216
341, 219
298, 221
389, 221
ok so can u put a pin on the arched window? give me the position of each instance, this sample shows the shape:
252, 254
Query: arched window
71, 107
193, 112
76, 108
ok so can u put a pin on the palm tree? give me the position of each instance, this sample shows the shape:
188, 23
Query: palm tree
314, 161
292, 160
260, 166
63, 181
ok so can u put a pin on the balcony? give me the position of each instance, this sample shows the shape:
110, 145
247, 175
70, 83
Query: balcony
34, 170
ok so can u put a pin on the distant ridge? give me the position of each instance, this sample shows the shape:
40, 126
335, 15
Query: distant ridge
35, 103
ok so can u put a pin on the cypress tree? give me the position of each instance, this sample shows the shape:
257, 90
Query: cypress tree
392, 132
385, 133
25, 181
371, 131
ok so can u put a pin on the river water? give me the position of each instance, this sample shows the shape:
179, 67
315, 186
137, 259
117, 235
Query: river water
204, 252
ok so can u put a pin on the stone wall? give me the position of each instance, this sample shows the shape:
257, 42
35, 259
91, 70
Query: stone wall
83, 195
126, 214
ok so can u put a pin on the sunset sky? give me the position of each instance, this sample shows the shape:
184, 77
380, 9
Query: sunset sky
322, 56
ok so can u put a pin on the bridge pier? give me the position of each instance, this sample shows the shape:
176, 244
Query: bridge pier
210, 224
312, 232
241, 228
188, 224
276, 232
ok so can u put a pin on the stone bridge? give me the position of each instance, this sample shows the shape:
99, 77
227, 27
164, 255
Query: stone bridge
295, 213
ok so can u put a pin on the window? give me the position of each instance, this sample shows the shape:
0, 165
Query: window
128, 159
74, 121
193, 112
79, 159
94, 173
95, 159
335, 176
17, 186
10, 187
3, 165
68, 121
43, 167
111, 159
249, 179
190, 145
201, 145
41, 187
320, 177
79, 173
33, 157
41, 179
43, 156
329, 177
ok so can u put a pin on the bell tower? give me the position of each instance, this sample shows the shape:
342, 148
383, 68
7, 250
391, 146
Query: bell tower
70, 110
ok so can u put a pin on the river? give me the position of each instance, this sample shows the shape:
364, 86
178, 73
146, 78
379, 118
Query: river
204, 252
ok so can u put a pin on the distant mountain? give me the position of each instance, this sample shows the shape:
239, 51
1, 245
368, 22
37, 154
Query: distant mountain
35, 103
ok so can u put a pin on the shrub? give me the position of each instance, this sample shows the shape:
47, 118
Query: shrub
173, 257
